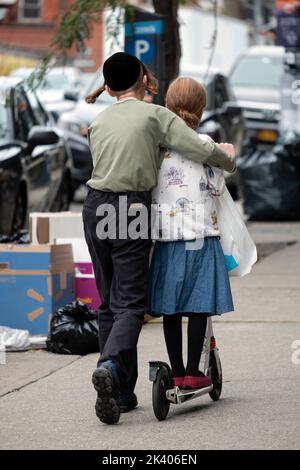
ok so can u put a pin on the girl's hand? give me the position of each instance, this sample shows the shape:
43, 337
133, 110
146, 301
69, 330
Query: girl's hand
228, 148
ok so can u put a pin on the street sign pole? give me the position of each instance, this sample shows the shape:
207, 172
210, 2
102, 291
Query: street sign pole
145, 38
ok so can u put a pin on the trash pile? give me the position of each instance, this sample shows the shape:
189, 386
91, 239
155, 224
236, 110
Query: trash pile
43, 272
74, 330
270, 180
11, 338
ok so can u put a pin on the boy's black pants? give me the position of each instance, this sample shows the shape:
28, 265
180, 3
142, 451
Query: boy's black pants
121, 272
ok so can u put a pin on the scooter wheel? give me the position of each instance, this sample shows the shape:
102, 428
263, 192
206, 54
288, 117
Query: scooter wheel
215, 374
160, 403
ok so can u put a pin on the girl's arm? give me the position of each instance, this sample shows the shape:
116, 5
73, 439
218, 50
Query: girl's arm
179, 137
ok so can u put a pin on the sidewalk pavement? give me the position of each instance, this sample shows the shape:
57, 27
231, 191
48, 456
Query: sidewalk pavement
47, 401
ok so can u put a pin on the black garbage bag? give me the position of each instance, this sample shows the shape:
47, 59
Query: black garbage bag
74, 330
270, 182
290, 144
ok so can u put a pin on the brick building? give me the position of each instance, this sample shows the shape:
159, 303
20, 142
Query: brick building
27, 28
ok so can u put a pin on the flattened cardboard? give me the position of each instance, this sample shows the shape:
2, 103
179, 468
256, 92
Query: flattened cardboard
35, 282
42, 230
61, 258
46, 227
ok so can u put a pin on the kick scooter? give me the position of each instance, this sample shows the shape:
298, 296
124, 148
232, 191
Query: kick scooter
163, 391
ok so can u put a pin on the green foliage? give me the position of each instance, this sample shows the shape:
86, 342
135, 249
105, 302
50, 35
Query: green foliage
37, 76
77, 23
74, 29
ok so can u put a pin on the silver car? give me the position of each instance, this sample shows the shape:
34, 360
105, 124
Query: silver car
256, 80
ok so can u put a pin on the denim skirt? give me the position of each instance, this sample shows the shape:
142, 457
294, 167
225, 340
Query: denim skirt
189, 277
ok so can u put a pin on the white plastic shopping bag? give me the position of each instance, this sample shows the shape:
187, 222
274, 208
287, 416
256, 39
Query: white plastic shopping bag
238, 247
12, 338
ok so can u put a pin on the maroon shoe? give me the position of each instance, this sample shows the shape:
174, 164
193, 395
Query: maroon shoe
195, 382
178, 381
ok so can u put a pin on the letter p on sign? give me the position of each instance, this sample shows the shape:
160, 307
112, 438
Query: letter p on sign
141, 47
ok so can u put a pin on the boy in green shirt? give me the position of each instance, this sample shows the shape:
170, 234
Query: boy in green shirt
126, 141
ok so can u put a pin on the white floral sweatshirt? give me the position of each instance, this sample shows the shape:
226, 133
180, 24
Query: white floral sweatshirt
184, 200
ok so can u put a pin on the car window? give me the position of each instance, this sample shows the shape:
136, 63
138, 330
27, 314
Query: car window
210, 96
258, 71
4, 126
83, 81
40, 115
221, 94
4, 131
230, 92
96, 81
24, 119
57, 81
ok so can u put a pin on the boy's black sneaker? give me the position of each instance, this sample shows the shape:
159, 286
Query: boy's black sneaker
128, 401
106, 382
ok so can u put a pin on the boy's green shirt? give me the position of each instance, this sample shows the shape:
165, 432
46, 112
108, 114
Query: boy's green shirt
126, 141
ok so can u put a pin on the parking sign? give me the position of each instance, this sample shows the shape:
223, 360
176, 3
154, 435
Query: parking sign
144, 38
143, 48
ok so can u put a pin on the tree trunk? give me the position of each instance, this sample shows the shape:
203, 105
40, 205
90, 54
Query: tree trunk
233, 8
169, 8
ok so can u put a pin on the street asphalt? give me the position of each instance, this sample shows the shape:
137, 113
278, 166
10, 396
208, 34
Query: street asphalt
47, 401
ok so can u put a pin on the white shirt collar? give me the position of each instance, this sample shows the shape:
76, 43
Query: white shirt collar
130, 98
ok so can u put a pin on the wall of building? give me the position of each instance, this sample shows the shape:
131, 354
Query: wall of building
196, 31
32, 39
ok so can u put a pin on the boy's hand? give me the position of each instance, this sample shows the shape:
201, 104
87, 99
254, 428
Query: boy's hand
228, 148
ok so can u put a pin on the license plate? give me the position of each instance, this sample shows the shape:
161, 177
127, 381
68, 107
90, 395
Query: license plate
266, 135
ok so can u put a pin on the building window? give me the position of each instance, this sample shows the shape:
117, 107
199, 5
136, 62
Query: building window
30, 10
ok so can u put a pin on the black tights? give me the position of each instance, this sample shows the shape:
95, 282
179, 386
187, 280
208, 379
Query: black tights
173, 337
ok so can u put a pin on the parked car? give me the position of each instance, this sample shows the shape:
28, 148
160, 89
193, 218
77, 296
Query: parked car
35, 161
80, 118
58, 82
75, 125
255, 79
223, 118
82, 163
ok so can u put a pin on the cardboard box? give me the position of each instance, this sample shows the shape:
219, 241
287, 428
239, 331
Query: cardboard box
85, 285
85, 268
80, 251
35, 280
86, 289
46, 227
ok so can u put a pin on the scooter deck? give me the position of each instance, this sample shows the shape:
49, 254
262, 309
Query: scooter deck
177, 396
